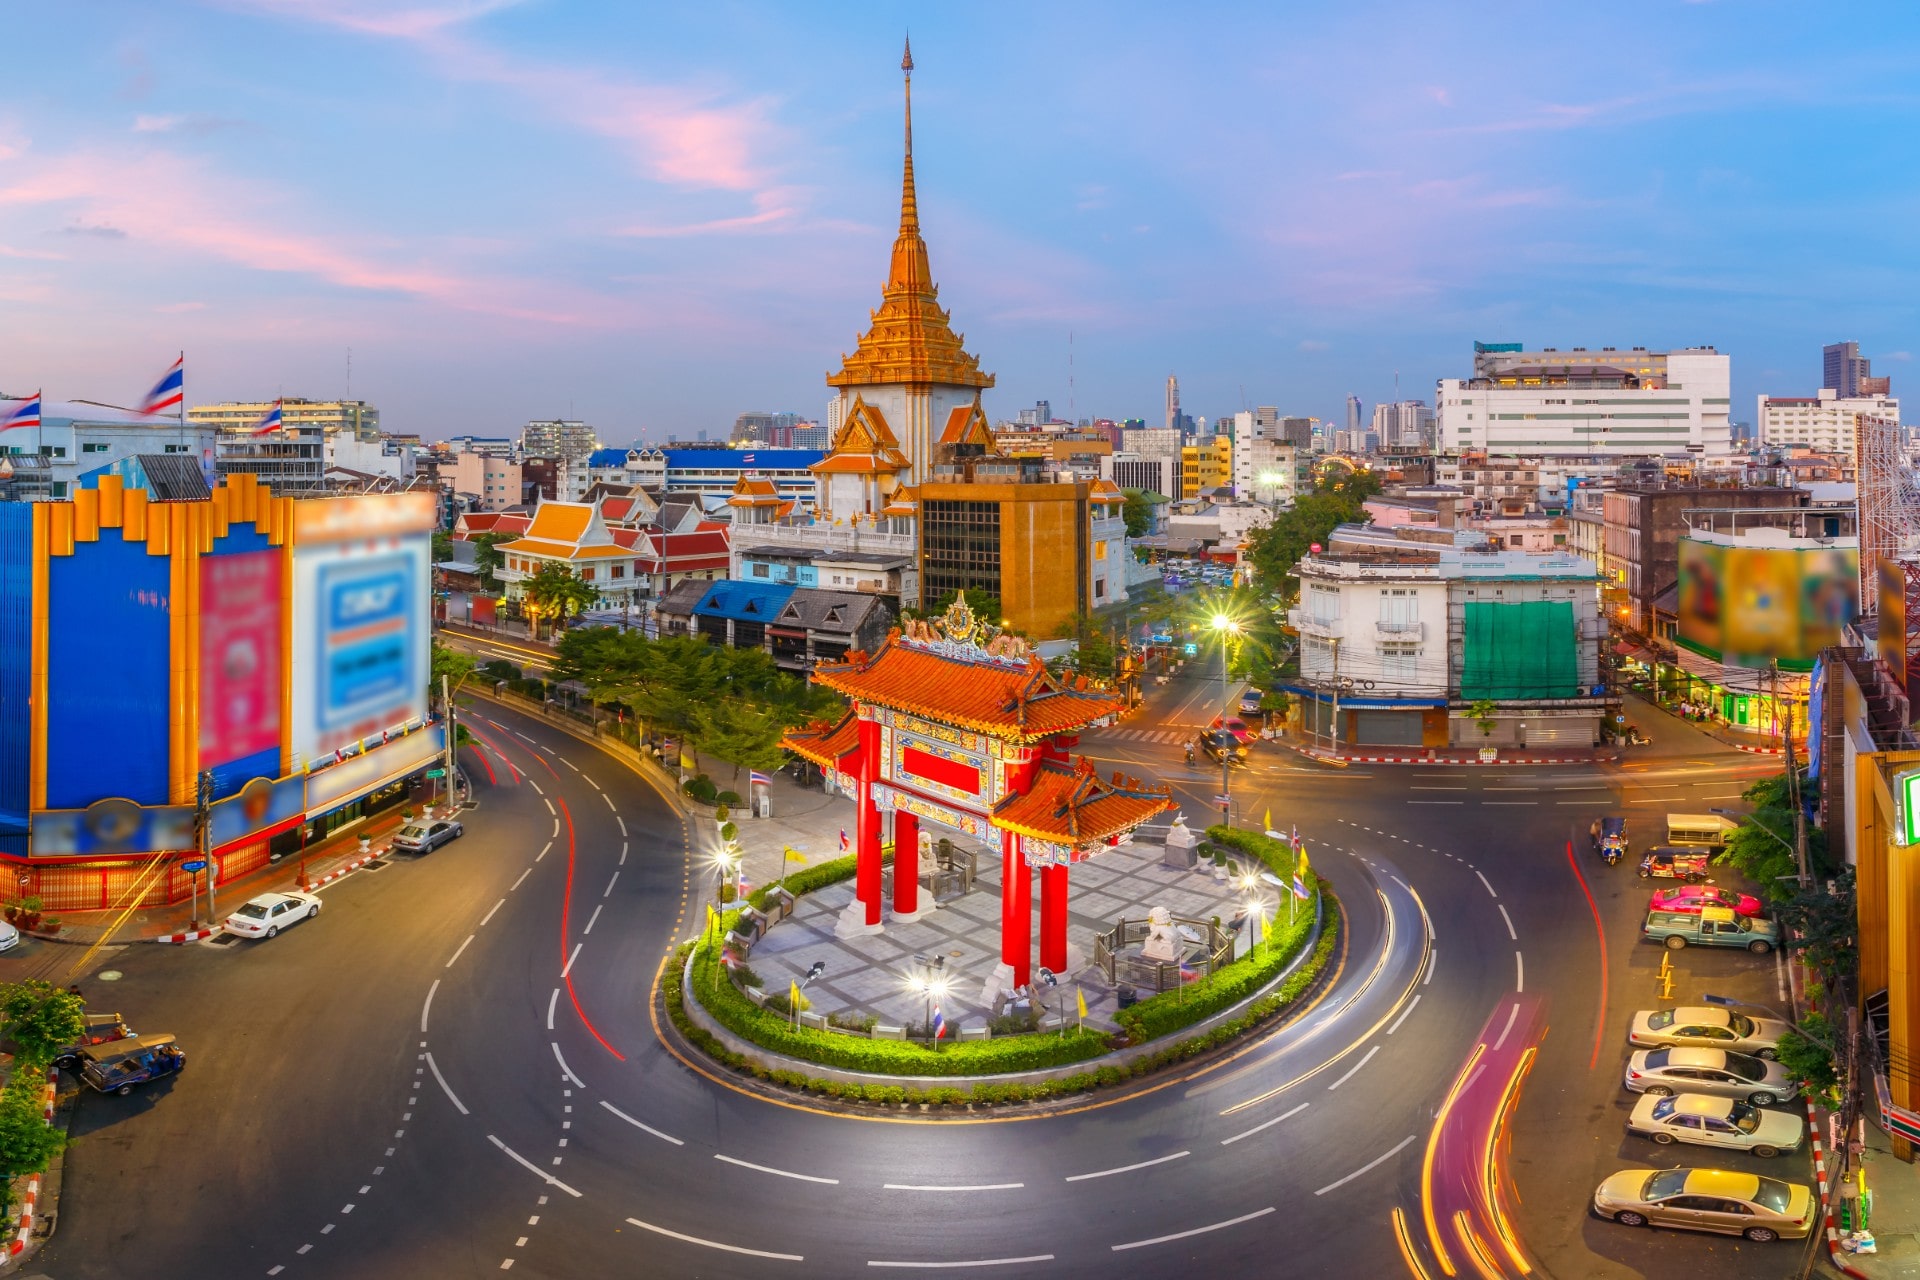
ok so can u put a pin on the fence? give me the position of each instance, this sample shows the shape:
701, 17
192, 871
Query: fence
1110, 954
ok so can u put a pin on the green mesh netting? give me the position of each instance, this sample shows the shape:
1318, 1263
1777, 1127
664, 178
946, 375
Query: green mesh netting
1522, 650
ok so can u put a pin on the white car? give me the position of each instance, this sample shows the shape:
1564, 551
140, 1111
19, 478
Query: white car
266, 915
9, 936
1716, 1122
1705, 1027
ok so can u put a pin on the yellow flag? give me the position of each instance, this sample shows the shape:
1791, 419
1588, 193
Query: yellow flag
1269, 819
1302, 869
1081, 996
793, 995
794, 855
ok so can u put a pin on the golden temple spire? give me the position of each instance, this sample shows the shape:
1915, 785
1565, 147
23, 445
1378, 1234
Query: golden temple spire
909, 251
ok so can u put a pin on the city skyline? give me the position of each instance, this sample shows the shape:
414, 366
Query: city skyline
655, 223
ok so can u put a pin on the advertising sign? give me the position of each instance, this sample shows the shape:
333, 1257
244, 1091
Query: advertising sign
112, 826
239, 656
1749, 606
357, 775
262, 805
360, 603
1890, 643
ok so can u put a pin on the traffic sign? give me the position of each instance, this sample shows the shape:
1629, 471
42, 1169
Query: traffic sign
436, 773
198, 864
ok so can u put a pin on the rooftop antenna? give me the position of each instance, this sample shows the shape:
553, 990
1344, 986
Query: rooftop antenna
349, 394
1073, 414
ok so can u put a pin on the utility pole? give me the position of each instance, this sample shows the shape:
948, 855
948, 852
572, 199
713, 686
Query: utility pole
202, 836
446, 704
1793, 788
1333, 727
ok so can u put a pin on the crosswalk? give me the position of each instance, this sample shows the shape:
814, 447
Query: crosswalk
1177, 733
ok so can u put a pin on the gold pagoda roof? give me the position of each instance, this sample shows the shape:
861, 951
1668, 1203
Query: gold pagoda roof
911, 339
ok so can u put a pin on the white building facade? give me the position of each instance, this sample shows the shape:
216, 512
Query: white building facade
1825, 423
1612, 402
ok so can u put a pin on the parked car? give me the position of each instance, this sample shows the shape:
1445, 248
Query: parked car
9, 936
1734, 1204
266, 915
119, 1066
1706, 1027
427, 835
1692, 897
1721, 1073
102, 1028
1675, 864
1250, 702
1711, 927
1716, 1122
1220, 745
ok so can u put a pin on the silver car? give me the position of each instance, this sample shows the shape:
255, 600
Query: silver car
1720, 1073
1705, 1027
426, 835
1716, 1122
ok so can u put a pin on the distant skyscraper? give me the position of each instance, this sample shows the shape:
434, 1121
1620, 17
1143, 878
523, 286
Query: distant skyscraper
1353, 413
558, 438
1173, 401
1845, 371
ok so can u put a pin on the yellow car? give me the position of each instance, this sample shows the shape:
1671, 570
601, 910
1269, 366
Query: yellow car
1733, 1204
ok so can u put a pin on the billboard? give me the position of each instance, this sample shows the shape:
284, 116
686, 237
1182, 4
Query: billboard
113, 826
240, 657
1890, 643
360, 621
1754, 605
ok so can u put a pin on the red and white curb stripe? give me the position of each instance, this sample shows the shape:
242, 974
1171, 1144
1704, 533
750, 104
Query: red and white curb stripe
1503, 760
178, 938
25, 1230
199, 934
1834, 1251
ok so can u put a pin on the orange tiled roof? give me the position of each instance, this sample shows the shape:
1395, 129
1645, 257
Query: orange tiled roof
561, 550
1068, 804
823, 744
1016, 701
560, 521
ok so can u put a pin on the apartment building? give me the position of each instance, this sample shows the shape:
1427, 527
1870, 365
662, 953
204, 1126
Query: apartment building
1609, 402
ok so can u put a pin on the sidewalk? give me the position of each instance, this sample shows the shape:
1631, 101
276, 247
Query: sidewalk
1449, 755
1894, 1217
1751, 743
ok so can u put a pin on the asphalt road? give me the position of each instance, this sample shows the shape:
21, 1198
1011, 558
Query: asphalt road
453, 1070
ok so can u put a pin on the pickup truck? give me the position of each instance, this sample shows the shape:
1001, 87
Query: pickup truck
1712, 927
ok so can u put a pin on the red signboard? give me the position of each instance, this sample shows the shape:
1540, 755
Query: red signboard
948, 773
240, 655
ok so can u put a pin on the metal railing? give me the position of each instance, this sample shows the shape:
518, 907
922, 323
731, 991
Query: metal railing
1199, 959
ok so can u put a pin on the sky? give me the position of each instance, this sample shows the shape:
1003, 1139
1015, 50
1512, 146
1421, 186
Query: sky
656, 217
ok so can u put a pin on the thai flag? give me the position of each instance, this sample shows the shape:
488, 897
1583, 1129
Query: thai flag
844, 844
269, 421
1299, 889
169, 392
939, 1023
757, 779
746, 458
27, 415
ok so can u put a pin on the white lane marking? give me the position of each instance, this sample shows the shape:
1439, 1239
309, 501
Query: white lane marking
489, 915
445, 1088
715, 1244
550, 808
570, 959
536, 787
1436, 802
1403, 1014
778, 1173
516, 732
1780, 974
553, 1002
590, 782
1182, 1235
462, 947
1369, 1166
623, 825
556, 825
1436, 788
1519, 972
1512, 788
425, 1008
1368, 1057
985, 1186
563, 760
566, 1070
1126, 1168
544, 850
533, 1168
664, 1137
1485, 881
623, 854
611, 805
1597, 786
608, 892
598, 908
1507, 1030
977, 1262
1265, 1124
1508, 803
523, 876
1509, 919
1433, 962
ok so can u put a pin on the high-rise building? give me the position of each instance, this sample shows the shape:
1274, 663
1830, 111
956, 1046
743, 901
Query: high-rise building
1206, 467
1404, 425
769, 428
558, 438
329, 416
1173, 401
1353, 413
1826, 423
1610, 402
1847, 373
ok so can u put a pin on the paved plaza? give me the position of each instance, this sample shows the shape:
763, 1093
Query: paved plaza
869, 975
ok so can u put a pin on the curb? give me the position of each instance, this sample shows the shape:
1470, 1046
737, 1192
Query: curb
24, 1232
1329, 758
197, 935
1820, 1171
176, 939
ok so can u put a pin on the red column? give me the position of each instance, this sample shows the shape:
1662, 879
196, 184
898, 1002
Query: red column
1053, 917
1016, 910
906, 863
866, 879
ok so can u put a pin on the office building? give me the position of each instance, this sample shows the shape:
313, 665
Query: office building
1159, 475
1404, 426
330, 417
291, 460
1299, 432
1825, 422
1174, 417
1849, 375
1353, 413
1151, 442
76, 443
493, 483
1619, 403
558, 438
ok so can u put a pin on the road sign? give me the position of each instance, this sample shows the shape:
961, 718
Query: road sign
1906, 792
436, 773
196, 865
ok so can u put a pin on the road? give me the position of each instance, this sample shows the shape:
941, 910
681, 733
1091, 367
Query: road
453, 1071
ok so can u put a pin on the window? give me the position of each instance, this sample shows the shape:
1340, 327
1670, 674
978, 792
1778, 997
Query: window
1399, 662
1323, 603
1399, 607
1100, 551
586, 574
619, 571
759, 571
59, 488
92, 446
1099, 588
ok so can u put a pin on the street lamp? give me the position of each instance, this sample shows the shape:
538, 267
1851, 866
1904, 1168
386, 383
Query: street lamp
929, 978
1800, 878
1225, 626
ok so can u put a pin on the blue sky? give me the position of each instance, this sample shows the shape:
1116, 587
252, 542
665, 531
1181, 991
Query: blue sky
658, 216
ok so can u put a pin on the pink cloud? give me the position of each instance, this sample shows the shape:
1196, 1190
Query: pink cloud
775, 209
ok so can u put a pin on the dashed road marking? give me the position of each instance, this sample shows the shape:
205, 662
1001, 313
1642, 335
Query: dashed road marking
1369, 1166
1126, 1168
778, 1173
1268, 1124
462, 947
1197, 1231
445, 1088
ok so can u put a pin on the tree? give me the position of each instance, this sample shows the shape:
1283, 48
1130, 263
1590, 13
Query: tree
487, 559
41, 1019
442, 546
744, 734
1276, 549
451, 663
1762, 847
1137, 512
1827, 928
27, 1141
554, 592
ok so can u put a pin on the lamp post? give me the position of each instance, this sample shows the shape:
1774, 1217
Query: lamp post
1798, 858
1224, 626
929, 978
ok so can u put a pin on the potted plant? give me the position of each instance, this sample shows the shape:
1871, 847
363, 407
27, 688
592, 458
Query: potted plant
1484, 714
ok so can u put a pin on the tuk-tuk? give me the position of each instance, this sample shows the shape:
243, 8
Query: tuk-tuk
116, 1067
102, 1028
1708, 829
1675, 864
1609, 838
